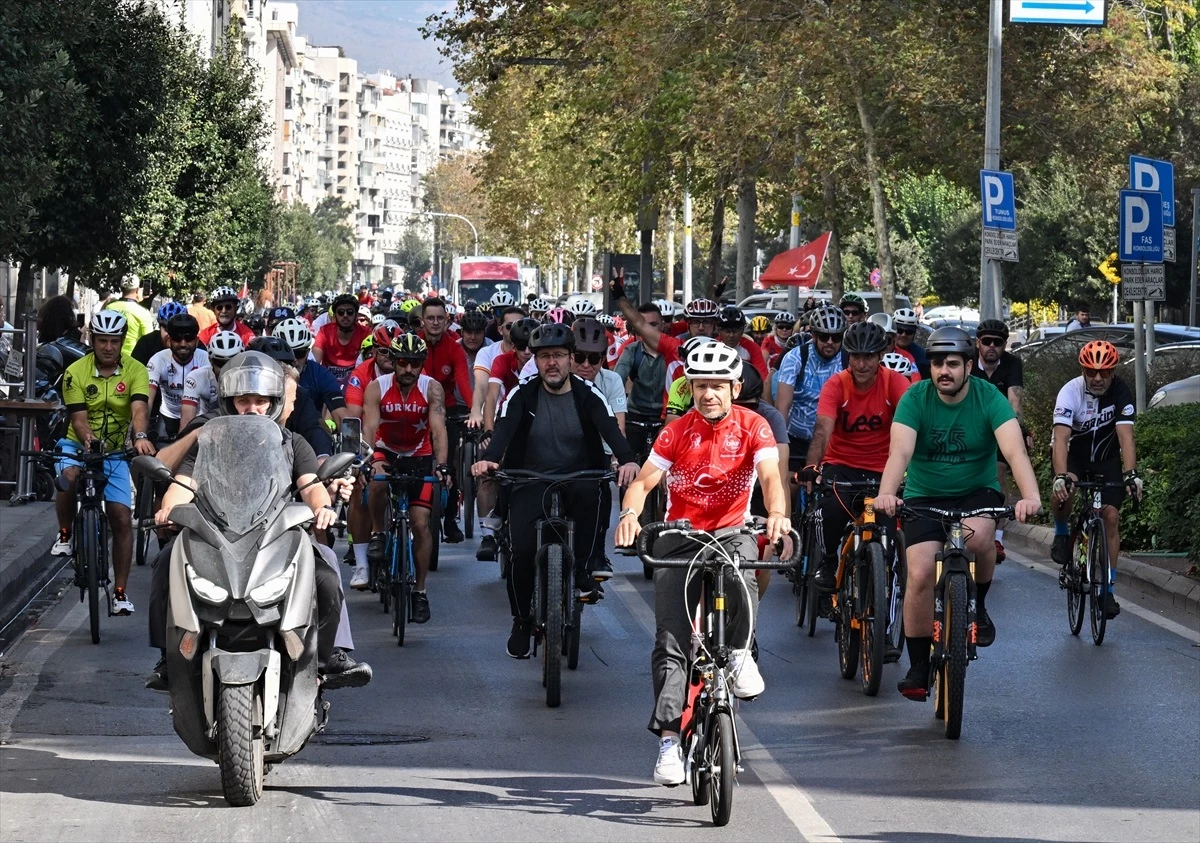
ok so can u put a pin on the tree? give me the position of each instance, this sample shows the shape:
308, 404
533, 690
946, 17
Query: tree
415, 256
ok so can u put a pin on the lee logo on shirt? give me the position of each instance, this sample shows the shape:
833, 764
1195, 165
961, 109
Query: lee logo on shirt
861, 424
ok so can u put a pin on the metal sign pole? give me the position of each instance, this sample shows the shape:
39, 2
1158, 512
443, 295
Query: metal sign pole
990, 280
687, 246
1195, 256
1139, 359
793, 299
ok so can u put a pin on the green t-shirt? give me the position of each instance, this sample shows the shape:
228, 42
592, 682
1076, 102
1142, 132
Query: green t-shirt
108, 400
139, 320
955, 452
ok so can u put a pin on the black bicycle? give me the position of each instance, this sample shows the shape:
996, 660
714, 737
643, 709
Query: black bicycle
557, 614
468, 447
954, 626
1086, 577
806, 520
655, 507
396, 578
712, 752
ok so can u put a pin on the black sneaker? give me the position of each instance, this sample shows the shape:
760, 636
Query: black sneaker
420, 607
915, 684
1110, 605
891, 654
826, 575
1060, 551
157, 679
985, 630
342, 671
487, 549
451, 533
348, 556
602, 569
518, 639
377, 548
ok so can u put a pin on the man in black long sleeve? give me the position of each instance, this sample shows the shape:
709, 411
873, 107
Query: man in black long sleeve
554, 424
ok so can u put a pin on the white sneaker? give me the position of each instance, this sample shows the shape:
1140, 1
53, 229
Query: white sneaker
747, 681
121, 604
668, 770
63, 547
359, 579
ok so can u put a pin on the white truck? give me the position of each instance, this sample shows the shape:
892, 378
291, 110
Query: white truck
478, 278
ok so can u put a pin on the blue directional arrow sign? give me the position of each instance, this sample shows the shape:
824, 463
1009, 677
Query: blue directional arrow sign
1061, 12
999, 199
1153, 176
1141, 227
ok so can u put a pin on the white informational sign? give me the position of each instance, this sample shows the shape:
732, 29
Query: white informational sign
1061, 12
1143, 282
1169, 245
1000, 245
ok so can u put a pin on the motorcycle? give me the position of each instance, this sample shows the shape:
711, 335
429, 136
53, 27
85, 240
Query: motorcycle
242, 613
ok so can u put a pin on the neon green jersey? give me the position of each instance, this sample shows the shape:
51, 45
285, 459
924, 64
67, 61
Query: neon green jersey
679, 396
108, 400
138, 319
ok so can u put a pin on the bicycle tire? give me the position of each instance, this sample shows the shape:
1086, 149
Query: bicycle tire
552, 627
402, 597
1097, 566
814, 554
574, 636
874, 619
849, 636
1076, 575
143, 509
89, 538
650, 515
466, 485
436, 510
800, 586
698, 763
724, 768
955, 668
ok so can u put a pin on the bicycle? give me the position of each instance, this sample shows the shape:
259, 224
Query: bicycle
396, 580
812, 549
557, 614
954, 629
655, 506
1086, 578
713, 755
468, 446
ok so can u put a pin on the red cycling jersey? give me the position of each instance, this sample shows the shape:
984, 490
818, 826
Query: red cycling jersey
752, 353
711, 467
404, 419
506, 371
239, 327
772, 350
862, 419
447, 364
337, 355
359, 380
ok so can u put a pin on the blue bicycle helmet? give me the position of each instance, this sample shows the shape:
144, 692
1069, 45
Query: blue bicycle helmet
166, 311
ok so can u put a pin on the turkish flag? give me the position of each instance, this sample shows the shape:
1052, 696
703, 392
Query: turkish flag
799, 267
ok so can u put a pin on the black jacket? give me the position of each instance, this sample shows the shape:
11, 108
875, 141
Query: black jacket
511, 437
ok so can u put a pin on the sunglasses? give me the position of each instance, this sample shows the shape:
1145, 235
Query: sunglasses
344, 311
408, 362
828, 337
906, 331
851, 311
182, 337
224, 306
1097, 373
521, 346
593, 357
991, 342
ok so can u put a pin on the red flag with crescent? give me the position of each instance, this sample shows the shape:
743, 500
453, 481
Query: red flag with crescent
799, 267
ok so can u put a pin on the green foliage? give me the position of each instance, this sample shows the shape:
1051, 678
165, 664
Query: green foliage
320, 241
415, 256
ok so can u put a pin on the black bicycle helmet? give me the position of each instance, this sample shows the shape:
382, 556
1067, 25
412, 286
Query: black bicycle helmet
520, 331
752, 387
473, 320
345, 299
950, 340
552, 335
182, 324
992, 328
731, 316
864, 338
274, 347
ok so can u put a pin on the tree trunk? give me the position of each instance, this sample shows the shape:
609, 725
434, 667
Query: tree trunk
717, 242
833, 261
24, 304
747, 209
883, 247
670, 255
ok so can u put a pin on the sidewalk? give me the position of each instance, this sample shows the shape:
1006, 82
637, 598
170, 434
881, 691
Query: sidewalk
1180, 590
26, 533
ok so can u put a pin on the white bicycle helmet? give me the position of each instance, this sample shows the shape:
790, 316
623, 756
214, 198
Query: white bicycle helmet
827, 320
666, 308
223, 294
883, 321
701, 309
785, 318
502, 298
378, 318
225, 345
897, 362
905, 317
108, 323
297, 335
539, 305
692, 343
715, 361
582, 307
312, 301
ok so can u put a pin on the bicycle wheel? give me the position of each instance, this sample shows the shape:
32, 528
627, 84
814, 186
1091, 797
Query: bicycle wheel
874, 617
436, 510
466, 485
814, 553
954, 671
1097, 572
1076, 575
722, 768
800, 584
401, 582
849, 635
143, 511
572, 644
88, 538
698, 762
552, 627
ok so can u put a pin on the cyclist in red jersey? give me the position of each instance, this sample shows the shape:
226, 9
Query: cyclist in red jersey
338, 342
731, 330
711, 457
404, 415
852, 433
654, 339
224, 303
775, 344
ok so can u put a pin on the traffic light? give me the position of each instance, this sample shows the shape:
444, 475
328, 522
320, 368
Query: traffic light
1108, 268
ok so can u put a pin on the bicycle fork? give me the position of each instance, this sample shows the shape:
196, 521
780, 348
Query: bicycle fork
959, 565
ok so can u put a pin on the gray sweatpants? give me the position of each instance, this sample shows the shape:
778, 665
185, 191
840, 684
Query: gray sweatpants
673, 622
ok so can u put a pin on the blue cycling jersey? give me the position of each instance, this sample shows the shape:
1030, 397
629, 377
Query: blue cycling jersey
320, 383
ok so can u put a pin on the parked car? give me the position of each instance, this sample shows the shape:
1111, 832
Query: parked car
770, 302
950, 311
1186, 391
1119, 334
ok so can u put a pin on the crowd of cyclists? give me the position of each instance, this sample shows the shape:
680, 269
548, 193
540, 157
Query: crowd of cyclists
731, 418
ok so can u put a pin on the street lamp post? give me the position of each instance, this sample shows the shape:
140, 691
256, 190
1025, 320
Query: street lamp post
474, 231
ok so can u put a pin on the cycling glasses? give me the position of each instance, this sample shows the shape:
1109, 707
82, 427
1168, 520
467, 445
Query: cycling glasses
906, 330
521, 346
1098, 373
592, 357
991, 341
851, 311
828, 337
224, 306
409, 362
188, 337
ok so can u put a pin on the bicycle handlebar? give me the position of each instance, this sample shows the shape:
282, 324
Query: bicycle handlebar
652, 532
82, 456
956, 514
521, 475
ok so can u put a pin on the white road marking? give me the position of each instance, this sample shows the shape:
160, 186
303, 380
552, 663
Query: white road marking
45, 641
788, 795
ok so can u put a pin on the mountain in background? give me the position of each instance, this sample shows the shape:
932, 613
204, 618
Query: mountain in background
379, 34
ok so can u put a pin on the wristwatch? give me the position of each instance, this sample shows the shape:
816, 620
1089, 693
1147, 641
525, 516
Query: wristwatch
627, 511
141, 436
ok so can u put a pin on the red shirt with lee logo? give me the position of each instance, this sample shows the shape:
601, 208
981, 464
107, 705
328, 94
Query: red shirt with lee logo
862, 419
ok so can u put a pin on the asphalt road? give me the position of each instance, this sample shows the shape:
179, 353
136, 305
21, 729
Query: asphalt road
1061, 740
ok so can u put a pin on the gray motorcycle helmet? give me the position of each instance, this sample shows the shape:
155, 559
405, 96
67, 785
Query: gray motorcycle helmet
252, 373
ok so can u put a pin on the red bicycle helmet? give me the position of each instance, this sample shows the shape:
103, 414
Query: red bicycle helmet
385, 332
1099, 354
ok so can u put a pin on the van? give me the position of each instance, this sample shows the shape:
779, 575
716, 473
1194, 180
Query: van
770, 302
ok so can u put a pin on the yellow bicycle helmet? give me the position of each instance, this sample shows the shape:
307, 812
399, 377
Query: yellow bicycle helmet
409, 305
760, 324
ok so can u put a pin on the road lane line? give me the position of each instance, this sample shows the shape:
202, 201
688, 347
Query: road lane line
1192, 635
30, 666
784, 789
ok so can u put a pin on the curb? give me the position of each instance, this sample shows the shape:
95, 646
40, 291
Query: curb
1180, 591
27, 568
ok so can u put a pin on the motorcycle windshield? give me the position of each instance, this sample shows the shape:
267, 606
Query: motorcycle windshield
242, 469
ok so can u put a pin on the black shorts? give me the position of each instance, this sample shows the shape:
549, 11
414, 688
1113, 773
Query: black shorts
797, 452
917, 530
1107, 471
421, 496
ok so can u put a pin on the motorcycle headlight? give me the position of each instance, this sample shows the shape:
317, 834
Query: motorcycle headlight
273, 589
206, 589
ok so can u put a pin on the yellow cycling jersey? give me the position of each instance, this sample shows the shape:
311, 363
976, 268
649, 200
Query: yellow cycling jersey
108, 400
679, 396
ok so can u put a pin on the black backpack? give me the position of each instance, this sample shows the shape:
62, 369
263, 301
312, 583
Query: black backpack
804, 352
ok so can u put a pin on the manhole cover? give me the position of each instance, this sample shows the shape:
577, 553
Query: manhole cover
365, 739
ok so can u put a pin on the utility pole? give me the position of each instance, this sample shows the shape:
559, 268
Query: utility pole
794, 243
590, 258
1194, 287
670, 255
991, 280
687, 247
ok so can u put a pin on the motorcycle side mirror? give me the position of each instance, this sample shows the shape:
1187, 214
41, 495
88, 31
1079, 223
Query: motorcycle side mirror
152, 467
335, 466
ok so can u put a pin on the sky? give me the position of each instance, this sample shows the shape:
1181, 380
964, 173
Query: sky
380, 34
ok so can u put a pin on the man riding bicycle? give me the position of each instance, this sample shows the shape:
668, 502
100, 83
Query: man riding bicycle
803, 371
224, 304
105, 393
945, 432
337, 343
404, 417
553, 424
1093, 440
170, 368
711, 457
